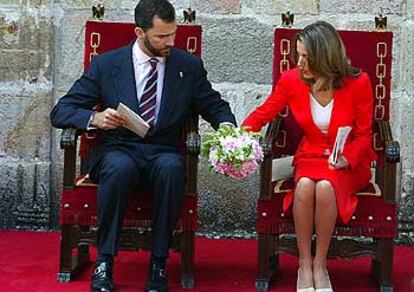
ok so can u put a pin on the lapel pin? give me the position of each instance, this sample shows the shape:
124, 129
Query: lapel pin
181, 74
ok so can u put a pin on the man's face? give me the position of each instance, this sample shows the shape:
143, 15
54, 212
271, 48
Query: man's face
158, 40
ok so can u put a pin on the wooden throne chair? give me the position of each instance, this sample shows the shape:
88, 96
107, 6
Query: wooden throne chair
78, 212
372, 228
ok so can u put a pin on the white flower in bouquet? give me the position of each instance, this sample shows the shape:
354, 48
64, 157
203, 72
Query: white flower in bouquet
233, 151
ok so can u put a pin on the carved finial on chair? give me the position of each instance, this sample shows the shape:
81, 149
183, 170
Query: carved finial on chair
380, 22
189, 15
98, 11
287, 19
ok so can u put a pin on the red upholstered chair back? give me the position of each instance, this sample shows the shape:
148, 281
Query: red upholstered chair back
370, 51
105, 36
101, 37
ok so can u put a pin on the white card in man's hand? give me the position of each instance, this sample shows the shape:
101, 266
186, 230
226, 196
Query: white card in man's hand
339, 145
133, 121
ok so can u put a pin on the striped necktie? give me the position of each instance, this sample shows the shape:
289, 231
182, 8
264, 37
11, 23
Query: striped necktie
149, 96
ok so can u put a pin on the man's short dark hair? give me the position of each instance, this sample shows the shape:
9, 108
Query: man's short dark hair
147, 9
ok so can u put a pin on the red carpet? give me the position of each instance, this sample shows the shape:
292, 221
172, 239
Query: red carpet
29, 262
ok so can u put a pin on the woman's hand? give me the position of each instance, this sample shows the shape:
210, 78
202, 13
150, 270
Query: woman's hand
340, 164
247, 128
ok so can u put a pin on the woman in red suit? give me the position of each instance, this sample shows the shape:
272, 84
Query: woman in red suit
323, 93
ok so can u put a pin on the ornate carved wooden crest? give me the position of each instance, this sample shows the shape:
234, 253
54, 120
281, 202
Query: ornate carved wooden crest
380, 22
287, 19
98, 11
189, 15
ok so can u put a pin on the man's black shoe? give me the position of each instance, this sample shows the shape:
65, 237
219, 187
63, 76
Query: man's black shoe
102, 277
157, 281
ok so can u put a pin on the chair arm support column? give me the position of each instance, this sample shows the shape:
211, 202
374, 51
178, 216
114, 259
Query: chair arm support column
266, 165
68, 141
392, 157
266, 171
193, 150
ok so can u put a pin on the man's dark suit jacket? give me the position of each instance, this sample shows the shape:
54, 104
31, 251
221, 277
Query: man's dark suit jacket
110, 79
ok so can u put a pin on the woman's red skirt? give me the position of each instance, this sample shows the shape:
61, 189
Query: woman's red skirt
346, 182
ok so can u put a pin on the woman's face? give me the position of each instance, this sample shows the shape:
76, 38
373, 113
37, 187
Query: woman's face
303, 64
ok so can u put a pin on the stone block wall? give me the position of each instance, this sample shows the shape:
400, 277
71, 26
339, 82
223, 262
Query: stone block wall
41, 54
26, 86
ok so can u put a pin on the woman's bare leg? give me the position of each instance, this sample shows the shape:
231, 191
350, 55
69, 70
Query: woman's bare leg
303, 215
325, 218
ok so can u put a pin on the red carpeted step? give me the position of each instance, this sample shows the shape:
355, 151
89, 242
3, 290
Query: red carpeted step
29, 262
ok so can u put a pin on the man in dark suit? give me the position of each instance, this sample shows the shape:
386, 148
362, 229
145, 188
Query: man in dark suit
163, 85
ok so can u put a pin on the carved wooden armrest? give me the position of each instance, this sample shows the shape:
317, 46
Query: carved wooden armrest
266, 165
392, 152
392, 148
68, 138
193, 143
68, 142
266, 143
392, 157
267, 148
193, 149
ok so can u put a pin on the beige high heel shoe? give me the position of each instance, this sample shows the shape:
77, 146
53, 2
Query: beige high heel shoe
308, 289
326, 289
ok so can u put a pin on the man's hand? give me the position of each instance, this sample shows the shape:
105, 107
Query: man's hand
108, 119
340, 164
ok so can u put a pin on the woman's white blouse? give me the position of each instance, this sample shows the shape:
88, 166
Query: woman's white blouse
321, 114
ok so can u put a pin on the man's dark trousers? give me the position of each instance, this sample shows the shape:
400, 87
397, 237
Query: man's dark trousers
118, 175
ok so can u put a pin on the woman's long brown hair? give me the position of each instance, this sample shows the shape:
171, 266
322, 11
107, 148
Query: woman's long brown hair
326, 55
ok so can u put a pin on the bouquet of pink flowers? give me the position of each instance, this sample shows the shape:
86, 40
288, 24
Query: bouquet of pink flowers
233, 151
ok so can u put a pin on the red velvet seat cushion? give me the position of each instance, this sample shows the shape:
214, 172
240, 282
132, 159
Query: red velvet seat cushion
372, 218
79, 206
285, 185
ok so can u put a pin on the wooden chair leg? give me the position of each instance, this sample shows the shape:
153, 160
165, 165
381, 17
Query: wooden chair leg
386, 256
83, 257
65, 265
273, 253
376, 269
274, 262
264, 264
187, 260
70, 264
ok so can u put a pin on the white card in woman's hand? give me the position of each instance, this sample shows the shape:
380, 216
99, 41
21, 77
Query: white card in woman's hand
339, 145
